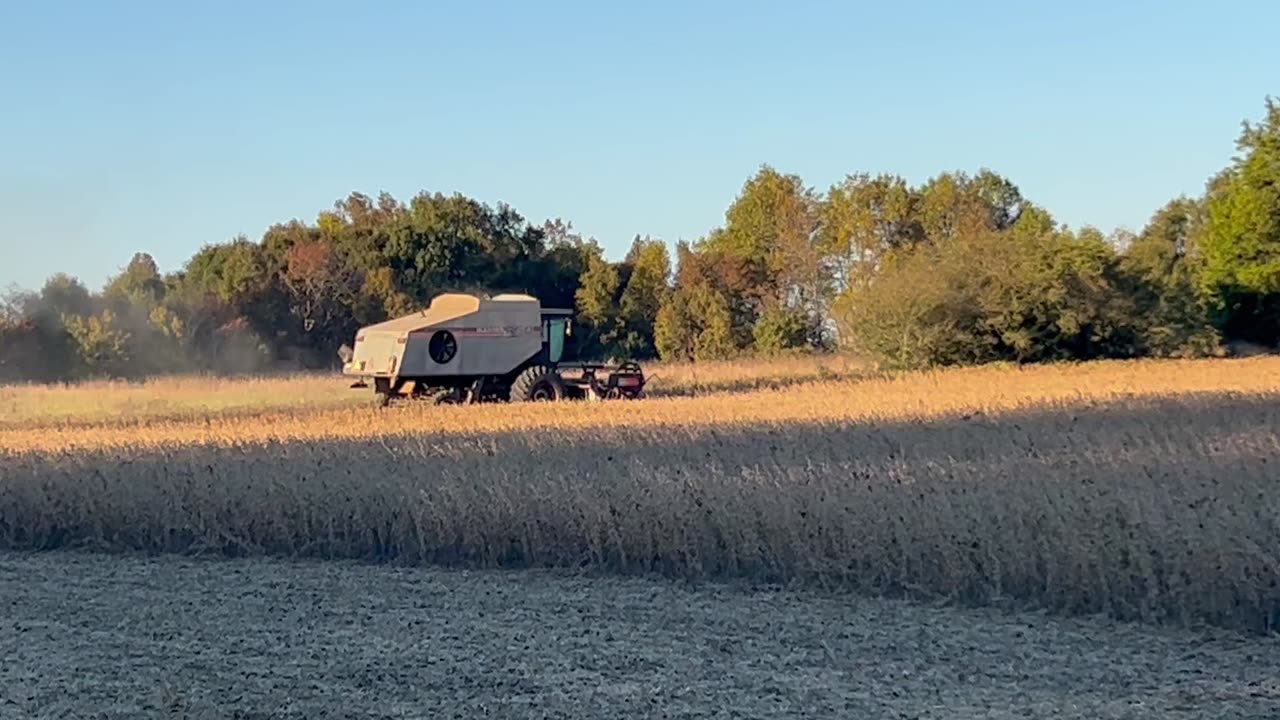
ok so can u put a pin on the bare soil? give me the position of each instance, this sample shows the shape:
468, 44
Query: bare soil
90, 636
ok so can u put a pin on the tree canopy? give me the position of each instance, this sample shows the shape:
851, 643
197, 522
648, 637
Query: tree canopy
959, 268
1241, 243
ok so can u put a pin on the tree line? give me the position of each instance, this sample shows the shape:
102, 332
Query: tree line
959, 269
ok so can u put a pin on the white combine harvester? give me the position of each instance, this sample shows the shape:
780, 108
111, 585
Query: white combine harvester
470, 348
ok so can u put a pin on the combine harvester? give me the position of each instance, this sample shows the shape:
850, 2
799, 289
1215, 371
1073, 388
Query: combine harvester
472, 348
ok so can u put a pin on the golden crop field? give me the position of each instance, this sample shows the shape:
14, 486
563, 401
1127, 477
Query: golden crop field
195, 397
1141, 490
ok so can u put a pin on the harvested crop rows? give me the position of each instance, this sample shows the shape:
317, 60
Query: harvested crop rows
172, 637
1138, 490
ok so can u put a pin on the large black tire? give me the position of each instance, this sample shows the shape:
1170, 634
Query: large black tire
537, 384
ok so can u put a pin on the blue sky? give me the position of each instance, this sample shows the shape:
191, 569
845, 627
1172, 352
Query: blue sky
161, 127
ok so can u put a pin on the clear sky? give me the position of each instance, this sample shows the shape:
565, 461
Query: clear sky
163, 126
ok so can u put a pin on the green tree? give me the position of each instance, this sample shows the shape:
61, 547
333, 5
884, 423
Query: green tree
779, 329
597, 305
101, 345
428, 248
647, 286
61, 295
139, 283
564, 259
955, 204
695, 323
704, 266
862, 219
380, 297
770, 244
915, 315
235, 273
359, 227
1022, 296
1163, 264
999, 197
1241, 243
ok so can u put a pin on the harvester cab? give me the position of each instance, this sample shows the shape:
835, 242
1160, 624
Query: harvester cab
467, 348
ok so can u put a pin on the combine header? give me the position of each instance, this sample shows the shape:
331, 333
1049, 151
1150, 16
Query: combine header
470, 348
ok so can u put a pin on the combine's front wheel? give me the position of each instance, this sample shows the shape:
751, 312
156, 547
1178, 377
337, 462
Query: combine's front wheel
537, 384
